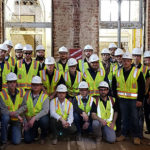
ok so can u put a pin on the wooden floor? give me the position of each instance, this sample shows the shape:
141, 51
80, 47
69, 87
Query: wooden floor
84, 144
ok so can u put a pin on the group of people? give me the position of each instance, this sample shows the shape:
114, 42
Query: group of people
106, 97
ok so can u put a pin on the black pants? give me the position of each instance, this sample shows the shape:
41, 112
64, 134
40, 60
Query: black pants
57, 128
147, 114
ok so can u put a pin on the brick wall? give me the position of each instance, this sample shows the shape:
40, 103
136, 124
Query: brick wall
147, 46
75, 23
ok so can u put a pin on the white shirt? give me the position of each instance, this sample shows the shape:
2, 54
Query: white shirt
62, 107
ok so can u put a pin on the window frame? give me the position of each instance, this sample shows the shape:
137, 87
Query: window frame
124, 24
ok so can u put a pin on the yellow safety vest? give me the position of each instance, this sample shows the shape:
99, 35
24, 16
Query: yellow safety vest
93, 84
89, 103
8, 102
68, 106
51, 87
12, 62
60, 68
24, 79
83, 65
73, 89
6, 71
110, 75
31, 109
106, 113
129, 88
144, 70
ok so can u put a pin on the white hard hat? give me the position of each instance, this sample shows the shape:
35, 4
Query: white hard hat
146, 54
83, 85
18, 46
127, 55
3, 47
27, 47
72, 62
112, 45
103, 84
49, 60
63, 49
118, 52
40, 47
105, 51
61, 88
36, 80
136, 51
88, 47
8, 42
11, 77
93, 58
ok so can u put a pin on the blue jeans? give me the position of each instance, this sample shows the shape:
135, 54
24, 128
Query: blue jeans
129, 115
78, 120
15, 130
106, 132
32, 133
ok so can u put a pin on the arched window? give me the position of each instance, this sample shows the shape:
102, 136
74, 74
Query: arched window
29, 22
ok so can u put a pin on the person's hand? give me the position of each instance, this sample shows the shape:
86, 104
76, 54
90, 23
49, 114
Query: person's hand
85, 116
85, 125
104, 123
31, 122
13, 114
138, 104
66, 125
20, 119
64, 122
112, 125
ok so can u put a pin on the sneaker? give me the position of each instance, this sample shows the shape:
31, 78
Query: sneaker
78, 137
120, 138
136, 141
98, 140
147, 132
3, 146
54, 141
42, 141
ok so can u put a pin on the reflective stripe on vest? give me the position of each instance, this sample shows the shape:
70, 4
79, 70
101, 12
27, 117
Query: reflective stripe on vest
66, 112
88, 104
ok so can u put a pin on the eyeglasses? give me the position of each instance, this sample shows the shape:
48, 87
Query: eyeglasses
103, 89
27, 53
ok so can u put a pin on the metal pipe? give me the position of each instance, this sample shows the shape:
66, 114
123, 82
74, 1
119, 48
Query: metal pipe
119, 23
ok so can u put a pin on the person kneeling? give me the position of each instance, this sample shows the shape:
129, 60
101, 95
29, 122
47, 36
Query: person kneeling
61, 113
104, 115
37, 112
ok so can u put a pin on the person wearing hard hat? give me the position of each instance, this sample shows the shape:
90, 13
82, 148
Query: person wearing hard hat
12, 106
26, 68
118, 55
51, 77
40, 56
112, 47
94, 75
82, 105
129, 87
18, 51
83, 63
146, 58
5, 67
72, 78
137, 54
62, 65
9, 58
104, 115
37, 112
106, 65
61, 113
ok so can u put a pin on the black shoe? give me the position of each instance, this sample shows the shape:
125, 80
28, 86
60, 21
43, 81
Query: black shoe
147, 132
3, 146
